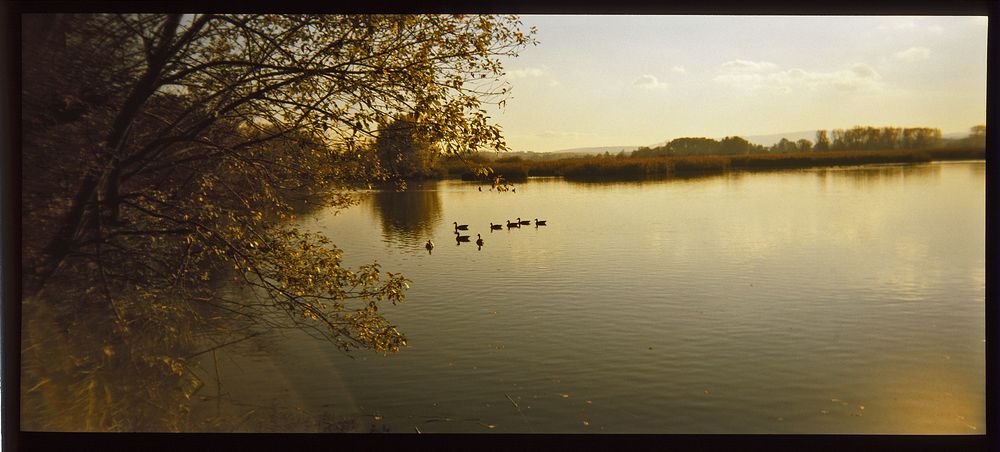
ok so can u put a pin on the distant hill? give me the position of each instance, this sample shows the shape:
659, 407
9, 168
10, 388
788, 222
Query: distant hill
599, 150
763, 140
566, 153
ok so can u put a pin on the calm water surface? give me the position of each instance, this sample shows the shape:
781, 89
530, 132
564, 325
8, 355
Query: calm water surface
841, 300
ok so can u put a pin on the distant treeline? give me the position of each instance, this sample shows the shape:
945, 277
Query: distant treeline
696, 155
634, 168
854, 139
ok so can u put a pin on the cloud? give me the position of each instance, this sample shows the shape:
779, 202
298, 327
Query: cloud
863, 70
913, 54
754, 76
532, 73
526, 72
649, 81
748, 67
678, 70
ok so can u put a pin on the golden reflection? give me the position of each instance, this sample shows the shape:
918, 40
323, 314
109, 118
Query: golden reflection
408, 216
872, 175
693, 180
934, 399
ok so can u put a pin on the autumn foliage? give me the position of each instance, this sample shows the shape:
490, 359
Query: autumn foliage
164, 158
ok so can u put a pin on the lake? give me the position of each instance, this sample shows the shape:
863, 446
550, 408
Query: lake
831, 300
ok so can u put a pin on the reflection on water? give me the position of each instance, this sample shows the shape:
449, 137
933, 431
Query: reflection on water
743, 302
857, 175
931, 398
408, 216
879, 174
679, 180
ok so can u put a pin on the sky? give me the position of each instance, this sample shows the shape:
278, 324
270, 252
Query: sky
642, 80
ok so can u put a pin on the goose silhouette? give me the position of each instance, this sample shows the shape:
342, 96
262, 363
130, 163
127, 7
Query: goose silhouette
519, 220
429, 245
479, 241
461, 238
539, 222
463, 227
512, 225
495, 226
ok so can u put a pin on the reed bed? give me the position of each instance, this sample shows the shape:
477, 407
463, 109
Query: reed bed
636, 168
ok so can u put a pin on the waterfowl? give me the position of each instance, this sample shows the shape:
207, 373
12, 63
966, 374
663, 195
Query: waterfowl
463, 227
429, 245
512, 225
539, 222
495, 226
461, 238
523, 221
479, 241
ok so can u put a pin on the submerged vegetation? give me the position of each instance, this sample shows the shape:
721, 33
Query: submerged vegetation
163, 158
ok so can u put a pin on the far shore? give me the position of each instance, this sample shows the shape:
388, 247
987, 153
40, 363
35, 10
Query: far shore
637, 168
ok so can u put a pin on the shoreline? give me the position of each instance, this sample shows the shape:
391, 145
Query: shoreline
666, 167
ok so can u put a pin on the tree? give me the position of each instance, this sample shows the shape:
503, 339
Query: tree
837, 141
978, 131
785, 145
822, 141
642, 151
160, 152
692, 146
734, 145
803, 145
977, 136
405, 149
920, 137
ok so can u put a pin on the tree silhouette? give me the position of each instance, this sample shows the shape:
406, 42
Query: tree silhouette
163, 153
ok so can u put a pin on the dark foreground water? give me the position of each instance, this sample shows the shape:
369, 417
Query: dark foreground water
842, 300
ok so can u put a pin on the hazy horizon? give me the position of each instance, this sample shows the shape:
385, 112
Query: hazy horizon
595, 81
763, 139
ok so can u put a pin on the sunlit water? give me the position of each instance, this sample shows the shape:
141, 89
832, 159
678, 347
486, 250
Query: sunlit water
841, 300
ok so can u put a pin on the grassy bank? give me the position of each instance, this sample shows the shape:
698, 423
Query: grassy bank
603, 168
